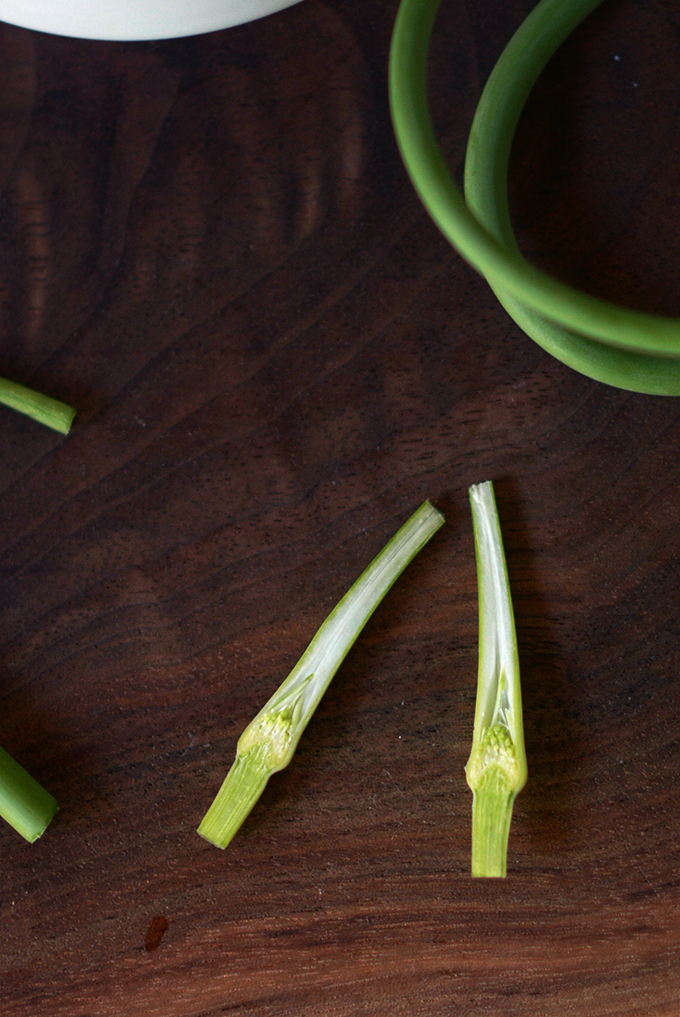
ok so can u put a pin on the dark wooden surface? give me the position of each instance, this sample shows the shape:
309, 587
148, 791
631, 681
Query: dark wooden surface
210, 247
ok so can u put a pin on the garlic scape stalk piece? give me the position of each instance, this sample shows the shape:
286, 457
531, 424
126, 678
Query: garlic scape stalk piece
25, 805
497, 768
270, 740
50, 412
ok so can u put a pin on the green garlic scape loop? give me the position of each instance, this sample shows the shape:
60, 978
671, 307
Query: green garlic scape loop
629, 349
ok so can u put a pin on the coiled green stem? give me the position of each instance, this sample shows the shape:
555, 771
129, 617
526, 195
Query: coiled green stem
626, 348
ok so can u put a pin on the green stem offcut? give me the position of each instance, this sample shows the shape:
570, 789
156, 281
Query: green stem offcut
50, 412
622, 347
497, 767
269, 741
25, 805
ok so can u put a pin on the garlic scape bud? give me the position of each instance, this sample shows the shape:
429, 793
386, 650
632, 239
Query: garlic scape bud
270, 740
497, 768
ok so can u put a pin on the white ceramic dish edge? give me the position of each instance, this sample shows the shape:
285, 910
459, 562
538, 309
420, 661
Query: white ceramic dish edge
134, 20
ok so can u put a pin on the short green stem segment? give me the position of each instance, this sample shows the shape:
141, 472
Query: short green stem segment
42, 408
491, 815
497, 768
26, 806
241, 789
269, 741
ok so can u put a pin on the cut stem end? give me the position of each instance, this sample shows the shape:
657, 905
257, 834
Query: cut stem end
240, 790
491, 816
50, 412
24, 803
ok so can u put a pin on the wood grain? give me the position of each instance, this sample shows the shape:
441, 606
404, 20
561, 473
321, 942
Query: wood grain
210, 247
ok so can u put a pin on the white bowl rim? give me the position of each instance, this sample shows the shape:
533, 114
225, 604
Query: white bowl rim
134, 20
